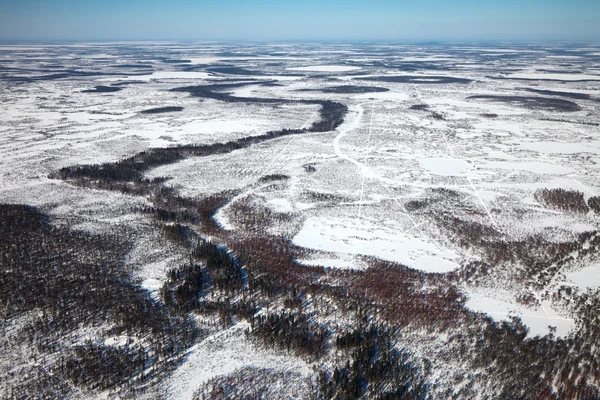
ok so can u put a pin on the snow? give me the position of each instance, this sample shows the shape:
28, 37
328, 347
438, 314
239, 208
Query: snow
500, 305
160, 75
280, 205
222, 354
204, 60
427, 58
531, 166
324, 68
445, 166
222, 220
352, 236
152, 285
562, 148
340, 262
586, 278
394, 96
381, 157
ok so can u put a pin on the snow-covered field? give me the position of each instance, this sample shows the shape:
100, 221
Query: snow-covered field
380, 185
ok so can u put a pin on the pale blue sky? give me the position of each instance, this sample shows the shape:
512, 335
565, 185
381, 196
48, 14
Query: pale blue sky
300, 20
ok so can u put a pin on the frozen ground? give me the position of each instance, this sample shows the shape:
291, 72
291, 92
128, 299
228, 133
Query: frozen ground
381, 185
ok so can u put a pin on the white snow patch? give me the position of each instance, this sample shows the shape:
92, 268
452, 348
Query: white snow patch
160, 75
349, 236
324, 68
444, 166
222, 354
562, 147
330, 262
152, 285
532, 166
204, 60
500, 305
383, 96
280, 205
222, 220
588, 277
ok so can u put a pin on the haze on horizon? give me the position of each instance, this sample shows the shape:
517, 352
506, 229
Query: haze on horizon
461, 20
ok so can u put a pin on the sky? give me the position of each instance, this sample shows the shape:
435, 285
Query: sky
300, 20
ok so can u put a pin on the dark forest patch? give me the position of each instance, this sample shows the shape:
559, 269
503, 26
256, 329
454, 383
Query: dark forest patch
532, 102
594, 203
273, 177
348, 89
74, 280
102, 89
233, 71
140, 66
569, 95
160, 110
562, 199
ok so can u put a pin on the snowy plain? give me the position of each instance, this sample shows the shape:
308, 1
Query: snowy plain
349, 193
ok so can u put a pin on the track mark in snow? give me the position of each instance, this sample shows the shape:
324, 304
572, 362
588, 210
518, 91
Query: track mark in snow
587, 189
366, 162
275, 156
469, 178
364, 169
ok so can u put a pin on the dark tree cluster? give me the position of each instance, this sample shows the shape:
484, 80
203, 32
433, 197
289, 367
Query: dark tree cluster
569, 95
160, 110
74, 280
291, 331
273, 178
594, 203
102, 89
213, 269
532, 102
348, 89
562, 199
251, 383
101, 367
183, 287
467, 233
376, 369
532, 368
224, 269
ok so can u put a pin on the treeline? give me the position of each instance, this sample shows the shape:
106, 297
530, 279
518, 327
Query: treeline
564, 200
130, 170
160, 110
532, 102
72, 281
